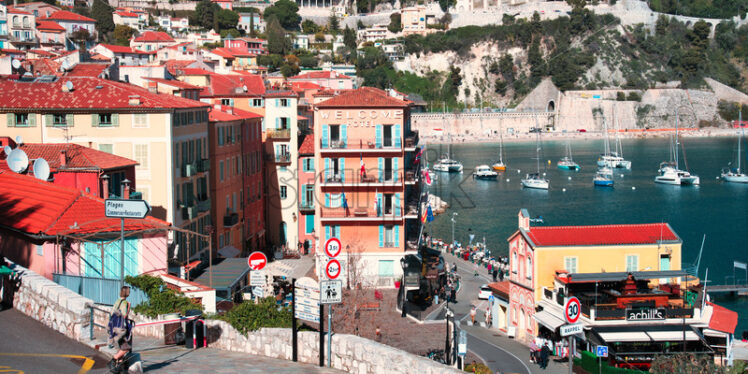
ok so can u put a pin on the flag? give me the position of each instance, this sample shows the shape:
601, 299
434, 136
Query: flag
345, 201
429, 214
419, 154
740, 265
426, 176
424, 217
363, 168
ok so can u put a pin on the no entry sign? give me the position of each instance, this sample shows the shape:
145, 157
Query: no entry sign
572, 310
332, 269
257, 260
333, 247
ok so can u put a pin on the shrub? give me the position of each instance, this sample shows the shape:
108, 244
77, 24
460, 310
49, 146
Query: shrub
634, 96
478, 368
729, 110
161, 300
249, 316
620, 96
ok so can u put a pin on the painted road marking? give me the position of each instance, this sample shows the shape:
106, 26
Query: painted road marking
87, 362
510, 353
8, 369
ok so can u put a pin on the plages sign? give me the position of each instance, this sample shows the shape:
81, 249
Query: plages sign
360, 117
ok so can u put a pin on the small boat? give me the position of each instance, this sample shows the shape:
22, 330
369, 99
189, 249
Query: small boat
669, 172
484, 172
567, 163
612, 159
735, 175
446, 164
605, 170
602, 180
500, 165
535, 180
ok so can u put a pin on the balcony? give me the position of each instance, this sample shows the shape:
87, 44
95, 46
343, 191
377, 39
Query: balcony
203, 204
306, 207
23, 40
230, 219
189, 212
364, 214
203, 165
281, 158
411, 141
278, 134
358, 181
360, 145
188, 170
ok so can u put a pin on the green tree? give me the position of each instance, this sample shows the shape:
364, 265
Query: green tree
360, 25
102, 13
661, 25
725, 35
122, 34
205, 14
446, 4
334, 24
395, 23
362, 6
500, 86
226, 19
287, 13
278, 41
506, 67
309, 27
349, 38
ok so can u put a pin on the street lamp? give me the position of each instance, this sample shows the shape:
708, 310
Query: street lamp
454, 214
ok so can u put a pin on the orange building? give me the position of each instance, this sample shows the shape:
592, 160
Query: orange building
367, 191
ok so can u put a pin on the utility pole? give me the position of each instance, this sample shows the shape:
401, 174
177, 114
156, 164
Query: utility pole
454, 214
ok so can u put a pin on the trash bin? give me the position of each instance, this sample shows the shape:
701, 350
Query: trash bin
194, 334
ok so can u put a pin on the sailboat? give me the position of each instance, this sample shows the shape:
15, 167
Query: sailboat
669, 172
567, 163
603, 179
500, 165
446, 163
535, 180
612, 159
735, 175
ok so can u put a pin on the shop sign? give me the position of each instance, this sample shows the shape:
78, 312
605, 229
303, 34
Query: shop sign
412, 279
645, 314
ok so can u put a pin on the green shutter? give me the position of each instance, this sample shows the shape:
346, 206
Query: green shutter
32, 120
381, 169
49, 120
381, 236
95, 120
396, 238
10, 119
115, 119
342, 170
394, 169
327, 233
397, 205
69, 120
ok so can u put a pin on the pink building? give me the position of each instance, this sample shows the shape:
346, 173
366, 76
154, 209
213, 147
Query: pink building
306, 194
326, 79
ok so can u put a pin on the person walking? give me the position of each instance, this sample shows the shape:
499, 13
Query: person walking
472, 315
120, 328
488, 316
545, 354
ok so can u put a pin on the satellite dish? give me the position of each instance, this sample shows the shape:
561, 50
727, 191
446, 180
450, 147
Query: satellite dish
65, 65
7, 150
245, 88
16, 64
18, 161
69, 85
41, 169
19, 140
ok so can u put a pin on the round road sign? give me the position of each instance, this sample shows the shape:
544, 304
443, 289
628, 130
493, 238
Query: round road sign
332, 269
257, 260
333, 247
572, 310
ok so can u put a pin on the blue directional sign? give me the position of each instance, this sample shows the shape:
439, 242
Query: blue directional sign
490, 298
602, 351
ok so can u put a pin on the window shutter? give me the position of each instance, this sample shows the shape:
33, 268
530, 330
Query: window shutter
277, 123
381, 169
231, 102
95, 120
327, 169
396, 236
327, 233
396, 135
325, 135
380, 209
32, 120
277, 102
303, 195
115, 119
69, 120
10, 119
396, 202
49, 120
344, 135
381, 236
342, 170
394, 169
327, 200
379, 136
337, 231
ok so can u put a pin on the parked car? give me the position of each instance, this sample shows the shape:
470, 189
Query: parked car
484, 292
581, 130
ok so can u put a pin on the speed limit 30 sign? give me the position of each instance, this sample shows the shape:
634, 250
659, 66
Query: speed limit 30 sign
572, 310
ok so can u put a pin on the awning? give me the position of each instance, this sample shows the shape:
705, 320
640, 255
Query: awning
723, 319
672, 336
610, 337
228, 251
549, 320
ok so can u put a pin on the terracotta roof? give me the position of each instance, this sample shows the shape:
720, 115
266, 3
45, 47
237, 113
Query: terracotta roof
221, 85
99, 57
38, 207
225, 113
501, 288
173, 65
304, 85
195, 71
45, 66
552, 236
49, 26
723, 319
64, 15
307, 146
41, 52
12, 51
77, 157
363, 97
324, 74
18, 11
87, 70
281, 94
125, 14
123, 49
223, 52
154, 36
88, 93
173, 83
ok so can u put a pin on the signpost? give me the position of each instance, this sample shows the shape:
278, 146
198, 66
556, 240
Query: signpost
572, 311
573, 329
332, 292
257, 260
257, 278
258, 291
333, 247
332, 270
305, 306
601, 351
120, 208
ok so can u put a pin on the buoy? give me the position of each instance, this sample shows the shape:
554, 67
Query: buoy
507, 179
569, 178
633, 188
717, 178
563, 189
549, 162
621, 175
543, 174
518, 171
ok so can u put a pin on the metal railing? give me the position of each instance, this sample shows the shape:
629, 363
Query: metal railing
353, 213
354, 177
360, 144
100, 290
230, 219
203, 165
278, 133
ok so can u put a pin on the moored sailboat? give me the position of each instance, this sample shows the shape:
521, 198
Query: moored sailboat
736, 175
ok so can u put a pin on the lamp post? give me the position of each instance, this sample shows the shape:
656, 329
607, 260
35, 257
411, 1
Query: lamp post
454, 214
402, 288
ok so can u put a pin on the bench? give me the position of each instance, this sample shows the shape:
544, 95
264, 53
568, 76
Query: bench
370, 307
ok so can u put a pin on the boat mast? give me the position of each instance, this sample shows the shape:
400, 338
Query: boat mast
676, 140
501, 143
606, 141
740, 123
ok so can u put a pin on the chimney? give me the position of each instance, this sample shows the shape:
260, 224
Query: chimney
105, 187
63, 159
524, 219
153, 87
134, 100
126, 189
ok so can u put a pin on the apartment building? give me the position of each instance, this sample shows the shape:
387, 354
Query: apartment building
21, 29
307, 197
367, 188
165, 134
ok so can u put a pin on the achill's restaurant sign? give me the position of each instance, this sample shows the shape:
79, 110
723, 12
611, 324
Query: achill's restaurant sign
645, 314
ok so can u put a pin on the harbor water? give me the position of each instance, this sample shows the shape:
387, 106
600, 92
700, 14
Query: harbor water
715, 208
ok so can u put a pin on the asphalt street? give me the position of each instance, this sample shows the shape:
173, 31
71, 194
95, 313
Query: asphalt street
27, 346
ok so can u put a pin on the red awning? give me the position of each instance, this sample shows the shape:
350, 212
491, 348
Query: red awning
723, 319
191, 265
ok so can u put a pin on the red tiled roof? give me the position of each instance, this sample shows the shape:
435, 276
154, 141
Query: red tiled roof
77, 156
18, 11
123, 49
649, 233
500, 287
304, 85
245, 114
173, 83
49, 26
221, 85
154, 36
195, 71
325, 74
363, 97
173, 65
223, 115
38, 207
45, 66
307, 145
64, 15
12, 51
41, 52
723, 319
123, 13
281, 94
98, 57
223, 52
16, 95
87, 70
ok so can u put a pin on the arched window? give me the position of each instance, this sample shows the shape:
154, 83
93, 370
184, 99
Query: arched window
514, 262
528, 271
25, 21
16, 22
551, 106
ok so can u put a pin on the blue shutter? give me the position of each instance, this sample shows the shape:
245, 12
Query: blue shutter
327, 169
277, 102
394, 169
379, 136
325, 135
327, 233
381, 169
277, 122
327, 200
231, 102
396, 238
342, 170
309, 223
303, 195
336, 231
396, 135
381, 236
397, 205
344, 135
380, 208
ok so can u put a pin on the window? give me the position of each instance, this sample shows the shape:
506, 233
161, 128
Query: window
16, 22
283, 192
105, 119
570, 264
285, 102
528, 270
141, 156
139, 120
514, 262
387, 134
220, 136
22, 119
40, 250
389, 236
59, 120
284, 123
632, 262
388, 202
220, 170
388, 174
25, 21
256, 102
386, 268
106, 148
308, 164
226, 102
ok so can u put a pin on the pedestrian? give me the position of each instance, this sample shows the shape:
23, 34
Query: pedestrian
545, 353
119, 328
501, 276
488, 316
378, 334
533, 352
495, 273
472, 315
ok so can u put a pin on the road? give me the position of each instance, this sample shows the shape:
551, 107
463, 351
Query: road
27, 346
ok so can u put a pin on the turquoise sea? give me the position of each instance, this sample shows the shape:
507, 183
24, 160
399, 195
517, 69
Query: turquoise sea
715, 208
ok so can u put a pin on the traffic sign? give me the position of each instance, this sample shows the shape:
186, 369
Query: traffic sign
332, 269
490, 298
307, 316
333, 247
307, 302
602, 351
257, 260
572, 329
257, 278
332, 292
572, 310
462, 344
258, 291
120, 208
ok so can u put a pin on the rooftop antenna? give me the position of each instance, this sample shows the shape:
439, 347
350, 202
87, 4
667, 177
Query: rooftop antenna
41, 169
18, 161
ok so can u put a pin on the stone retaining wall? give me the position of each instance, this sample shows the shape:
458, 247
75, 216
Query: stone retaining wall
51, 304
